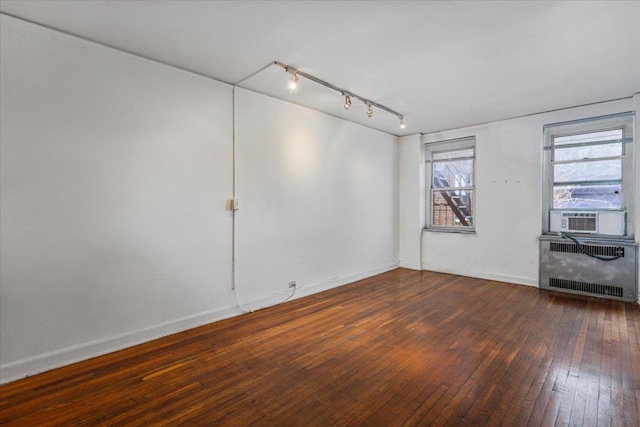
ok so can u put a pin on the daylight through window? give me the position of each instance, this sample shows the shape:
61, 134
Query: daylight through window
451, 183
589, 165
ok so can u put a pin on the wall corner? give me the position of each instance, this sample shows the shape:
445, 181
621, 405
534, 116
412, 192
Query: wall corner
411, 200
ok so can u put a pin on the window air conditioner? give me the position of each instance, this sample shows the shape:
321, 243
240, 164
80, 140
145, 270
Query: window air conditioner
610, 223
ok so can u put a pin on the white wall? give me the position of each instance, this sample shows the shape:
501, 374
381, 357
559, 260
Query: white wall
114, 176
115, 172
509, 199
411, 183
317, 199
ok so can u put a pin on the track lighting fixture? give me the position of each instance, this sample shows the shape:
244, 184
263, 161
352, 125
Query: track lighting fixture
293, 84
347, 102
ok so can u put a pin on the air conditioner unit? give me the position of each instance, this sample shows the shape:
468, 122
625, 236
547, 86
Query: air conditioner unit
610, 223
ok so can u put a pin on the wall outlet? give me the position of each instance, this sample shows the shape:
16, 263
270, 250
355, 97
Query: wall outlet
292, 284
233, 205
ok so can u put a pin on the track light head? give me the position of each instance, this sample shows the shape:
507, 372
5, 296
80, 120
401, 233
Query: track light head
347, 102
293, 84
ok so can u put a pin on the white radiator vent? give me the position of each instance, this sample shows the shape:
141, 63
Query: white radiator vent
564, 267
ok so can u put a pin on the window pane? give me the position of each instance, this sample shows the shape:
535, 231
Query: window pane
453, 173
590, 152
453, 154
588, 171
607, 135
452, 208
587, 196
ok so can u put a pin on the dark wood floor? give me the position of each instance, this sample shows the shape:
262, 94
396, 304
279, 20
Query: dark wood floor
402, 348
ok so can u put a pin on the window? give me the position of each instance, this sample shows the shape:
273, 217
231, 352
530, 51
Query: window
451, 185
588, 165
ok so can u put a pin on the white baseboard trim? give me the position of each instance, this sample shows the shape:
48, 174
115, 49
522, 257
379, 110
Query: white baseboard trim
66, 356
76, 353
343, 280
518, 280
410, 266
304, 290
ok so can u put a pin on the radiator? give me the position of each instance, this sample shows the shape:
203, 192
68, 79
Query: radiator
564, 268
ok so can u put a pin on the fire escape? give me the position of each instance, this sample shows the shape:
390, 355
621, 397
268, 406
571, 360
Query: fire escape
456, 202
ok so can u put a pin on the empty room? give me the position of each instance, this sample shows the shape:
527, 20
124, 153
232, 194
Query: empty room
319, 213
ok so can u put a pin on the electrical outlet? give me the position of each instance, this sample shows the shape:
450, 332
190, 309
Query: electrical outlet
292, 284
233, 205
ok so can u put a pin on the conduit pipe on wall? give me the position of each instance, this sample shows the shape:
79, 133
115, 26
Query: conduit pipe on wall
232, 205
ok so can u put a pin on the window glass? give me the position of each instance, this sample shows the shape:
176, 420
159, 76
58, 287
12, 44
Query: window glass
452, 208
587, 196
608, 135
445, 155
453, 173
451, 185
588, 152
598, 170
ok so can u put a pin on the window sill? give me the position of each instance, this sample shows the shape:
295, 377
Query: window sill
449, 230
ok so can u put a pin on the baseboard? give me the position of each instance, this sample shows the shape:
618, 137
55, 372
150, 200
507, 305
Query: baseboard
410, 266
343, 280
313, 288
55, 359
518, 280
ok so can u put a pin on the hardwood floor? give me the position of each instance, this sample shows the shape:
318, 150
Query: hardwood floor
401, 348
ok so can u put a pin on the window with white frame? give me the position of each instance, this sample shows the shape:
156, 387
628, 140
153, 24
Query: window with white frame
450, 175
589, 168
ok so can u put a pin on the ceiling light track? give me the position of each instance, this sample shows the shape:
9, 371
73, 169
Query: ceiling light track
347, 95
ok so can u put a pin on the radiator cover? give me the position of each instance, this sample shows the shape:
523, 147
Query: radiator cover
564, 268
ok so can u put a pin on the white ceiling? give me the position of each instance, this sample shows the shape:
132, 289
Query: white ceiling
442, 64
